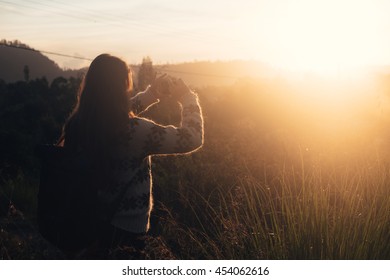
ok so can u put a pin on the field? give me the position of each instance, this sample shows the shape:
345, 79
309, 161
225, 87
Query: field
290, 169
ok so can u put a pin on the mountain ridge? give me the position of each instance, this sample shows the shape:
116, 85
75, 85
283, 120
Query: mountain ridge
15, 56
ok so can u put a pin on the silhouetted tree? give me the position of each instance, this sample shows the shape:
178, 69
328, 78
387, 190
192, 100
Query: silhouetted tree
146, 74
26, 72
31, 113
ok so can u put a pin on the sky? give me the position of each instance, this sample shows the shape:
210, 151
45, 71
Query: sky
318, 35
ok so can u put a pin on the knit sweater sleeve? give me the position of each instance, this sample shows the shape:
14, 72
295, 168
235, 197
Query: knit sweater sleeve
154, 139
142, 101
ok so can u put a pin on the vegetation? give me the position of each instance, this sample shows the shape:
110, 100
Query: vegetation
285, 172
146, 74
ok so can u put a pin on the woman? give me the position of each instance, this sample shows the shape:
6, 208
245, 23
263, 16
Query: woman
105, 126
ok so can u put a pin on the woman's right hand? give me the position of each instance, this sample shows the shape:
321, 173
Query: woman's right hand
179, 89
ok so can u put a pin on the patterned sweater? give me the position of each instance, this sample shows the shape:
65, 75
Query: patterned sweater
144, 138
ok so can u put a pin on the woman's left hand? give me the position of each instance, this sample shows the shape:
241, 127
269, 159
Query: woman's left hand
162, 86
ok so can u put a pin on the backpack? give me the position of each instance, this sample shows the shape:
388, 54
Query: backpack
69, 213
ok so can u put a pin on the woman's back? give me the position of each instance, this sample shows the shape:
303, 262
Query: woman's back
123, 143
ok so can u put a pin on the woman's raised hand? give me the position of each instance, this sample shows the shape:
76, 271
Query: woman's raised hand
161, 87
166, 86
179, 89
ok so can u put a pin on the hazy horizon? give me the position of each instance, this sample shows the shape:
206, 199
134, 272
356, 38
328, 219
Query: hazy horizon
318, 36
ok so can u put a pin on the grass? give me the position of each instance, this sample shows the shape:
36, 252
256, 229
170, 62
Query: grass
245, 197
313, 211
308, 207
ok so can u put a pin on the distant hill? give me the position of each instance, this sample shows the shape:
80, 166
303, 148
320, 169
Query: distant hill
15, 56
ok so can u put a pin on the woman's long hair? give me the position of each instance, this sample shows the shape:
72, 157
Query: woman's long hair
102, 108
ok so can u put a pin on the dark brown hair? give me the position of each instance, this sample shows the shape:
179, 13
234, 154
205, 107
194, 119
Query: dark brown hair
103, 105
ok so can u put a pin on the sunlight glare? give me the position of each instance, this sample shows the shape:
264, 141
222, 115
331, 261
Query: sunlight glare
327, 37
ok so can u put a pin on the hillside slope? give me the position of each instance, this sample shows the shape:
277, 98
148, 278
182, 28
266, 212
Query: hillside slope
13, 61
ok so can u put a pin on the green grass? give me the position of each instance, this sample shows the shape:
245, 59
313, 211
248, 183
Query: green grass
326, 211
